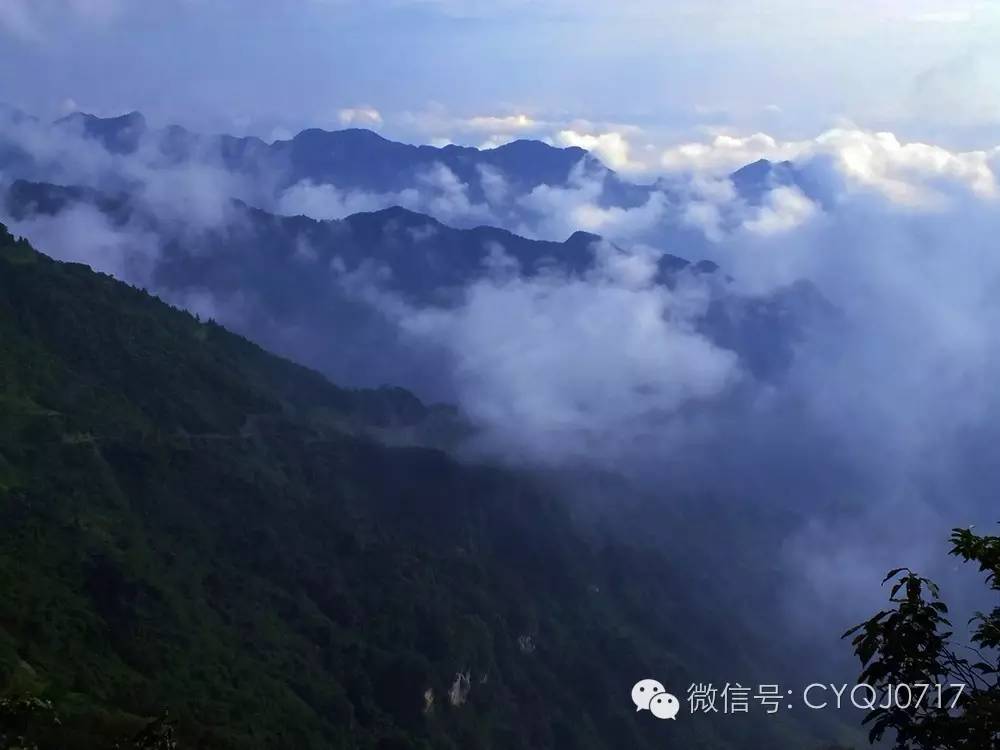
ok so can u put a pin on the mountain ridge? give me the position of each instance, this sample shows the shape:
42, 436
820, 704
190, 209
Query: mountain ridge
292, 281
309, 151
26, 197
363, 164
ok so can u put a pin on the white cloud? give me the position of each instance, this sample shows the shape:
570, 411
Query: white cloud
913, 174
437, 122
444, 196
557, 367
784, 209
706, 216
907, 173
556, 211
436, 191
726, 153
510, 124
494, 185
610, 142
611, 148
81, 234
495, 141
326, 201
360, 117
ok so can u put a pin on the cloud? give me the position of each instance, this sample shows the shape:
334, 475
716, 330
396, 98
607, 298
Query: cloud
363, 116
905, 382
726, 153
784, 209
908, 173
610, 142
510, 124
560, 366
494, 184
82, 234
197, 191
556, 211
485, 130
446, 197
706, 205
325, 201
611, 148
436, 191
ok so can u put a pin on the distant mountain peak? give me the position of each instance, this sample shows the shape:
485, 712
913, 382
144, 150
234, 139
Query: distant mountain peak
763, 167
119, 134
351, 135
397, 213
754, 180
129, 119
533, 145
583, 238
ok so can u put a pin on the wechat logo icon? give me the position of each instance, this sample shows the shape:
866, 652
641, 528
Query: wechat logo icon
650, 695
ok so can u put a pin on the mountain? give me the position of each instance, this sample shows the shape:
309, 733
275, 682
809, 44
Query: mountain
525, 186
119, 135
755, 180
361, 159
188, 523
26, 199
318, 291
423, 254
352, 159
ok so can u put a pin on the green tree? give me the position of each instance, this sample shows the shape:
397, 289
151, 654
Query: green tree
912, 644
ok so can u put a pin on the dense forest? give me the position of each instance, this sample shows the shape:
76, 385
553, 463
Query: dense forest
193, 527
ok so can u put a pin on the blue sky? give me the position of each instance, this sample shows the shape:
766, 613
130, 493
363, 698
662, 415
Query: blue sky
653, 72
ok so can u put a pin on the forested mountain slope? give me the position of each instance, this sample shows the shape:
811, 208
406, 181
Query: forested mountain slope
188, 523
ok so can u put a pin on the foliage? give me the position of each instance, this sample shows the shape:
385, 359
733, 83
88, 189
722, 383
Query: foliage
20, 719
158, 735
912, 644
23, 720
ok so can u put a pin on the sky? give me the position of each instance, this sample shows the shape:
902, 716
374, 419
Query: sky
646, 73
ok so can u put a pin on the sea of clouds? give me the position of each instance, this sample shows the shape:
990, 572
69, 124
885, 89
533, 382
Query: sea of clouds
881, 430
